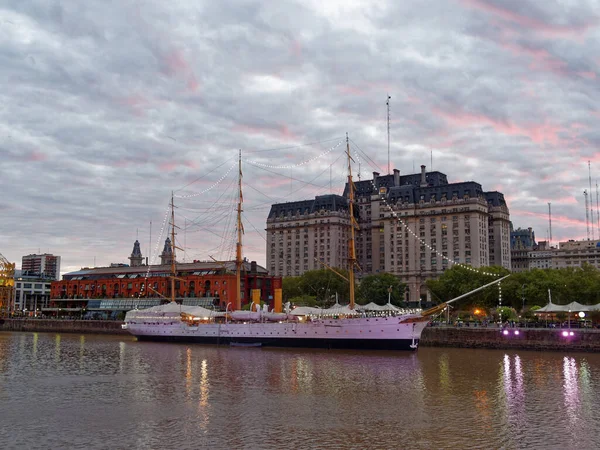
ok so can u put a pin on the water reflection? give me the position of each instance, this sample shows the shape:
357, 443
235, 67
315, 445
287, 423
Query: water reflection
151, 395
57, 348
571, 389
514, 393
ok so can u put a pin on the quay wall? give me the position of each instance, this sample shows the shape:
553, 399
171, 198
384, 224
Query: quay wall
527, 339
586, 340
63, 326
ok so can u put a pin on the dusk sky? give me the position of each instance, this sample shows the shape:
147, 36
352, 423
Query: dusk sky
107, 107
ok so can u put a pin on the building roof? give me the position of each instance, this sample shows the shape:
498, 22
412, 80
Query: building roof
201, 267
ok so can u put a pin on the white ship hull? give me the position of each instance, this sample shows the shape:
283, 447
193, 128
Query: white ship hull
375, 333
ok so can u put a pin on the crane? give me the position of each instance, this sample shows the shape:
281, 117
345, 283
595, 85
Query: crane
7, 283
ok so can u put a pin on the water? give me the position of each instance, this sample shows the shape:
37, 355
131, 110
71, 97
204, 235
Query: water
70, 391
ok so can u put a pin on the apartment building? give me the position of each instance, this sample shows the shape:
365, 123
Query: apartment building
414, 226
576, 253
46, 264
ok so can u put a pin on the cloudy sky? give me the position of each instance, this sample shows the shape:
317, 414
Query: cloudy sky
108, 106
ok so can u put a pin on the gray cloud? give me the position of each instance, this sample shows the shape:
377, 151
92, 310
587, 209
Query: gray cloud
108, 107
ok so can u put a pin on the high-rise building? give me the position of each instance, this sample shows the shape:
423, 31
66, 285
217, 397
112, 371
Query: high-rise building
45, 264
414, 226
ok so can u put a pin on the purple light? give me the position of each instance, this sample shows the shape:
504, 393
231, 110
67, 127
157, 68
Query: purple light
505, 332
517, 332
565, 333
571, 333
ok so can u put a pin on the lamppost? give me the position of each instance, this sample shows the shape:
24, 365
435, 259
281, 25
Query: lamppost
523, 297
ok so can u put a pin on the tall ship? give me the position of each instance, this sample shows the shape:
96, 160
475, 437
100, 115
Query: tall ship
339, 327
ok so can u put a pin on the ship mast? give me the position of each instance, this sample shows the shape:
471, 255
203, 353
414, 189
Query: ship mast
173, 247
353, 225
240, 230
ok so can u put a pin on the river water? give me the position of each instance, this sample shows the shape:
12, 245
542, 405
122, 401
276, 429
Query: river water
62, 391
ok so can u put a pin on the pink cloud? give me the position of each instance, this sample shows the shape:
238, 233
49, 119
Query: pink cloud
588, 75
296, 48
532, 24
36, 156
556, 218
136, 103
539, 59
538, 133
175, 64
167, 166
351, 90
277, 131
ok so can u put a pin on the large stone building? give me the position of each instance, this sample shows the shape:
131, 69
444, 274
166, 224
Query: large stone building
45, 264
436, 223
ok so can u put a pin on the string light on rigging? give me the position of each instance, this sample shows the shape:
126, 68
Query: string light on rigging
268, 166
423, 243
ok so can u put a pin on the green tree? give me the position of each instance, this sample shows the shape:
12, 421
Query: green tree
324, 285
459, 280
291, 287
376, 288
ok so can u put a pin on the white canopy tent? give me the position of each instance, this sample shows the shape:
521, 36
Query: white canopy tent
573, 307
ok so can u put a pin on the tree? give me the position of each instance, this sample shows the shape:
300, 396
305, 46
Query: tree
376, 288
459, 280
322, 285
291, 287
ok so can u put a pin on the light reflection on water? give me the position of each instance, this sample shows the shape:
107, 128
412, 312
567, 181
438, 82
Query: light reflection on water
114, 392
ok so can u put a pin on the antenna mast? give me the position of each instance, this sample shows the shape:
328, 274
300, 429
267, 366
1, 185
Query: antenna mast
388, 131
238, 254
587, 214
550, 224
597, 210
353, 225
591, 199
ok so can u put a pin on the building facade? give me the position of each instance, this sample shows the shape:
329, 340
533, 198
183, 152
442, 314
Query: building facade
576, 254
301, 235
522, 243
32, 293
414, 226
111, 290
46, 264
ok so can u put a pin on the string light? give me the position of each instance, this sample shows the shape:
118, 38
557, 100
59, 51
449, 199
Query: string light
209, 188
500, 302
268, 166
423, 243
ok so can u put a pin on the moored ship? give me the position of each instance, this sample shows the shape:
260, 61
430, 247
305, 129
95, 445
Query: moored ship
304, 327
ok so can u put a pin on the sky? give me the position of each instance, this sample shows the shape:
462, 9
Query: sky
106, 107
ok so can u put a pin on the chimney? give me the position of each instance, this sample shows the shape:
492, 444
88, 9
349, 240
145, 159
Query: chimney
423, 178
396, 177
253, 267
375, 175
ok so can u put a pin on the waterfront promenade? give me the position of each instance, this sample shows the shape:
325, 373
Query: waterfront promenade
587, 340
